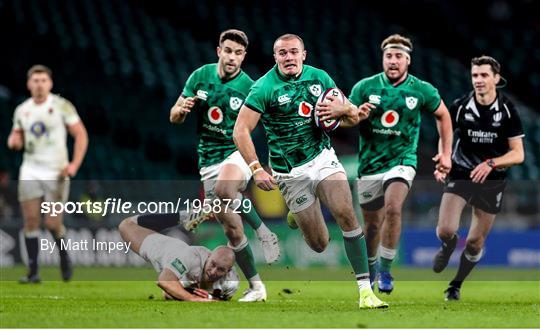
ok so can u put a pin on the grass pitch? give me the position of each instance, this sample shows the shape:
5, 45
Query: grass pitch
293, 301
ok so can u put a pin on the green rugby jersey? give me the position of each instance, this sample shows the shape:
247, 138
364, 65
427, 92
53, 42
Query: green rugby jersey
217, 107
389, 137
286, 106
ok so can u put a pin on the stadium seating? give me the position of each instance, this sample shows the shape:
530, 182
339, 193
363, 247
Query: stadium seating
123, 64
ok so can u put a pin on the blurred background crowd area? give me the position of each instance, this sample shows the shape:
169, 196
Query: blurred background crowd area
124, 63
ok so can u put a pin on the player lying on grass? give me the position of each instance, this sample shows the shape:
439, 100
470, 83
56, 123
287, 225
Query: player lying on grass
190, 273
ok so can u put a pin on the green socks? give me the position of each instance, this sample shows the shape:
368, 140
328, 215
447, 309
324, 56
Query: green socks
252, 217
244, 258
355, 247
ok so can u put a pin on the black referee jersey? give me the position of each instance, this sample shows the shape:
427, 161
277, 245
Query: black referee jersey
482, 132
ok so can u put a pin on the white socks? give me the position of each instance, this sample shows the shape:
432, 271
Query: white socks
364, 284
387, 253
255, 283
472, 258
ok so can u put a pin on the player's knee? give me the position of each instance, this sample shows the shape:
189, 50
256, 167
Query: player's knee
234, 234
393, 211
318, 245
371, 228
445, 233
127, 223
225, 190
372, 222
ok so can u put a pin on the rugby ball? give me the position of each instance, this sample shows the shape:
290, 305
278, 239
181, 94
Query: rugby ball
329, 124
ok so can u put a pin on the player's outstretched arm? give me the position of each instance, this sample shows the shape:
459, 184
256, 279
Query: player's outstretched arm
443, 159
79, 134
16, 139
181, 108
169, 283
245, 124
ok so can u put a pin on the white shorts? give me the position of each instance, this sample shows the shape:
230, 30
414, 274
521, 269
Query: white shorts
299, 186
209, 174
159, 249
42, 183
371, 187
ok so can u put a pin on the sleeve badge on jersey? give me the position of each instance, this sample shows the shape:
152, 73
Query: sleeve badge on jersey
179, 266
235, 102
411, 102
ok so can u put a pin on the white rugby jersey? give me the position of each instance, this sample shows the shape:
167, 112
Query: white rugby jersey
45, 132
187, 263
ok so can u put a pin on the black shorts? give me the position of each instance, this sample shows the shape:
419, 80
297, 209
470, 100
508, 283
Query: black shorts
486, 196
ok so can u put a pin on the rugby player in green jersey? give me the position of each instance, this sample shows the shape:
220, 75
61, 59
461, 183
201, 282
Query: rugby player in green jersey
391, 103
215, 93
304, 165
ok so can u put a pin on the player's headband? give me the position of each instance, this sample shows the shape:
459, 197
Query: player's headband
398, 46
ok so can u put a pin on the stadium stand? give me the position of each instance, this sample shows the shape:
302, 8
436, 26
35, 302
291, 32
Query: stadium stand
123, 64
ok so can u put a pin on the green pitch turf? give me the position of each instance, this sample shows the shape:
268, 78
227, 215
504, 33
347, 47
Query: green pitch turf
297, 299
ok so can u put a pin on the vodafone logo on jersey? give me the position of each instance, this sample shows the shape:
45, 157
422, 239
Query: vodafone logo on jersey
305, 109
390, 118
215, 115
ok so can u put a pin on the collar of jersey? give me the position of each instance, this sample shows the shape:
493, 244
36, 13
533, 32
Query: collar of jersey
286, 79
223, 81
386, 80
47, 102
478, 105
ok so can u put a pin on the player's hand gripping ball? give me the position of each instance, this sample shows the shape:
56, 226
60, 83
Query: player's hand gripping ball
329, 124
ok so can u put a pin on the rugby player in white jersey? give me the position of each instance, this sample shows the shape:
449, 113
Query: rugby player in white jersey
40, 127
188, 273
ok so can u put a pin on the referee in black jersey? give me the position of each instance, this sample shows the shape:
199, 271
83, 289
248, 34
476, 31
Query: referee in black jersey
489, 139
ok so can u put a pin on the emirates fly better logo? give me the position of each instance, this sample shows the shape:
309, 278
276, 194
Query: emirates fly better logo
304, 109
390, 118
215, 115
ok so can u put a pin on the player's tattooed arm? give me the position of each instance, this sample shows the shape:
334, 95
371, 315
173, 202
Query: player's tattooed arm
173, 289
181, 108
